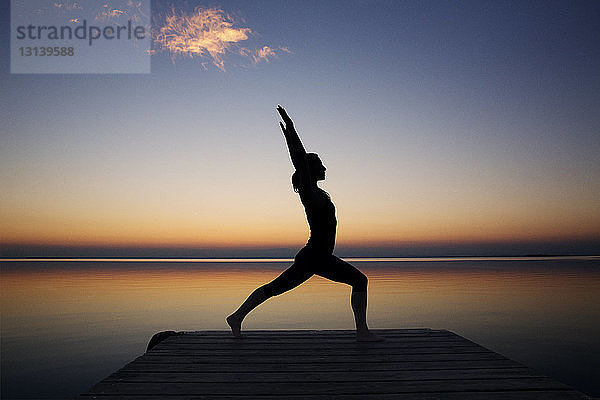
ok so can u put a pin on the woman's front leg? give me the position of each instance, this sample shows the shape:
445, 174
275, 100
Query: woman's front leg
339, 270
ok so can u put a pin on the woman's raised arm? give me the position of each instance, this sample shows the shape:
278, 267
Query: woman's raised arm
297, 152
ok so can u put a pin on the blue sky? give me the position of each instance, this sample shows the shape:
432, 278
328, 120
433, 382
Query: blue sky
439, 122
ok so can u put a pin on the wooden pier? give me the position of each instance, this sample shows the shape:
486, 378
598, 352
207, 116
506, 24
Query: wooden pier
317, 365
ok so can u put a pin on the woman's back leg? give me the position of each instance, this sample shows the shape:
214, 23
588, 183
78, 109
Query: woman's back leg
295, 275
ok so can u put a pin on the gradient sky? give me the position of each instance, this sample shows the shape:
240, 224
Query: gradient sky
438, 122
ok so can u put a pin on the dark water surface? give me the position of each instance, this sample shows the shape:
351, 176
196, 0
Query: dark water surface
68, 324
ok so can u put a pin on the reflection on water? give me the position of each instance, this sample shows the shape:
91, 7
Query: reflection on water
68, 324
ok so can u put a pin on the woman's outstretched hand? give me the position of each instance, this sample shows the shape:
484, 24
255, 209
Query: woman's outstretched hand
297, 152
289, 125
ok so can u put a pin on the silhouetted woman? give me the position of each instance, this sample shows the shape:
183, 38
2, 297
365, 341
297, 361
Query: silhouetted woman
316, 257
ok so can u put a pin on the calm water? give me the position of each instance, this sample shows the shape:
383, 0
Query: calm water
68, 324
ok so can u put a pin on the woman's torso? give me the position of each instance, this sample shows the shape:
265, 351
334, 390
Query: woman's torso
320, 213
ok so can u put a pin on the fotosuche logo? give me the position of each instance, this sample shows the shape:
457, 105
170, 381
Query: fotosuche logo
86, 36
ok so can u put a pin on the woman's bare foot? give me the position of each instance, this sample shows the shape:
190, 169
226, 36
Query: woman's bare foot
235, 325
368, 336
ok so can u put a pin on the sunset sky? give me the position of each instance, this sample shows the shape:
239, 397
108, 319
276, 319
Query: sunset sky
440, 123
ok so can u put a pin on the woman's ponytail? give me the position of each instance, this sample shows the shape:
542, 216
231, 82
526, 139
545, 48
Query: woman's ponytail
296, 181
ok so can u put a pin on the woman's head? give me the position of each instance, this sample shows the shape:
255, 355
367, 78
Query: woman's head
316, 170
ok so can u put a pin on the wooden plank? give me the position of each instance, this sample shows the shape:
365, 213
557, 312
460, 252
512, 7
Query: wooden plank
319, 375
293, 388
184, 339
305, 343
334, 332
308, 344
344, 340
312, 359
488, 395
312, 334
293, 367
300, 338
243, 352
166, 347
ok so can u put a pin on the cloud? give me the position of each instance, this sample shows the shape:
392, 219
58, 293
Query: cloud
209, 34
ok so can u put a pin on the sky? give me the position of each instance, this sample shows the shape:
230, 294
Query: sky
446, 128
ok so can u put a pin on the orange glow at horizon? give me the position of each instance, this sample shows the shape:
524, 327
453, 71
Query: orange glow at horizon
218, 231
256, 208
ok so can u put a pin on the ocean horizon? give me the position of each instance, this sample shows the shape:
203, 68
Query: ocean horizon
286, 259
